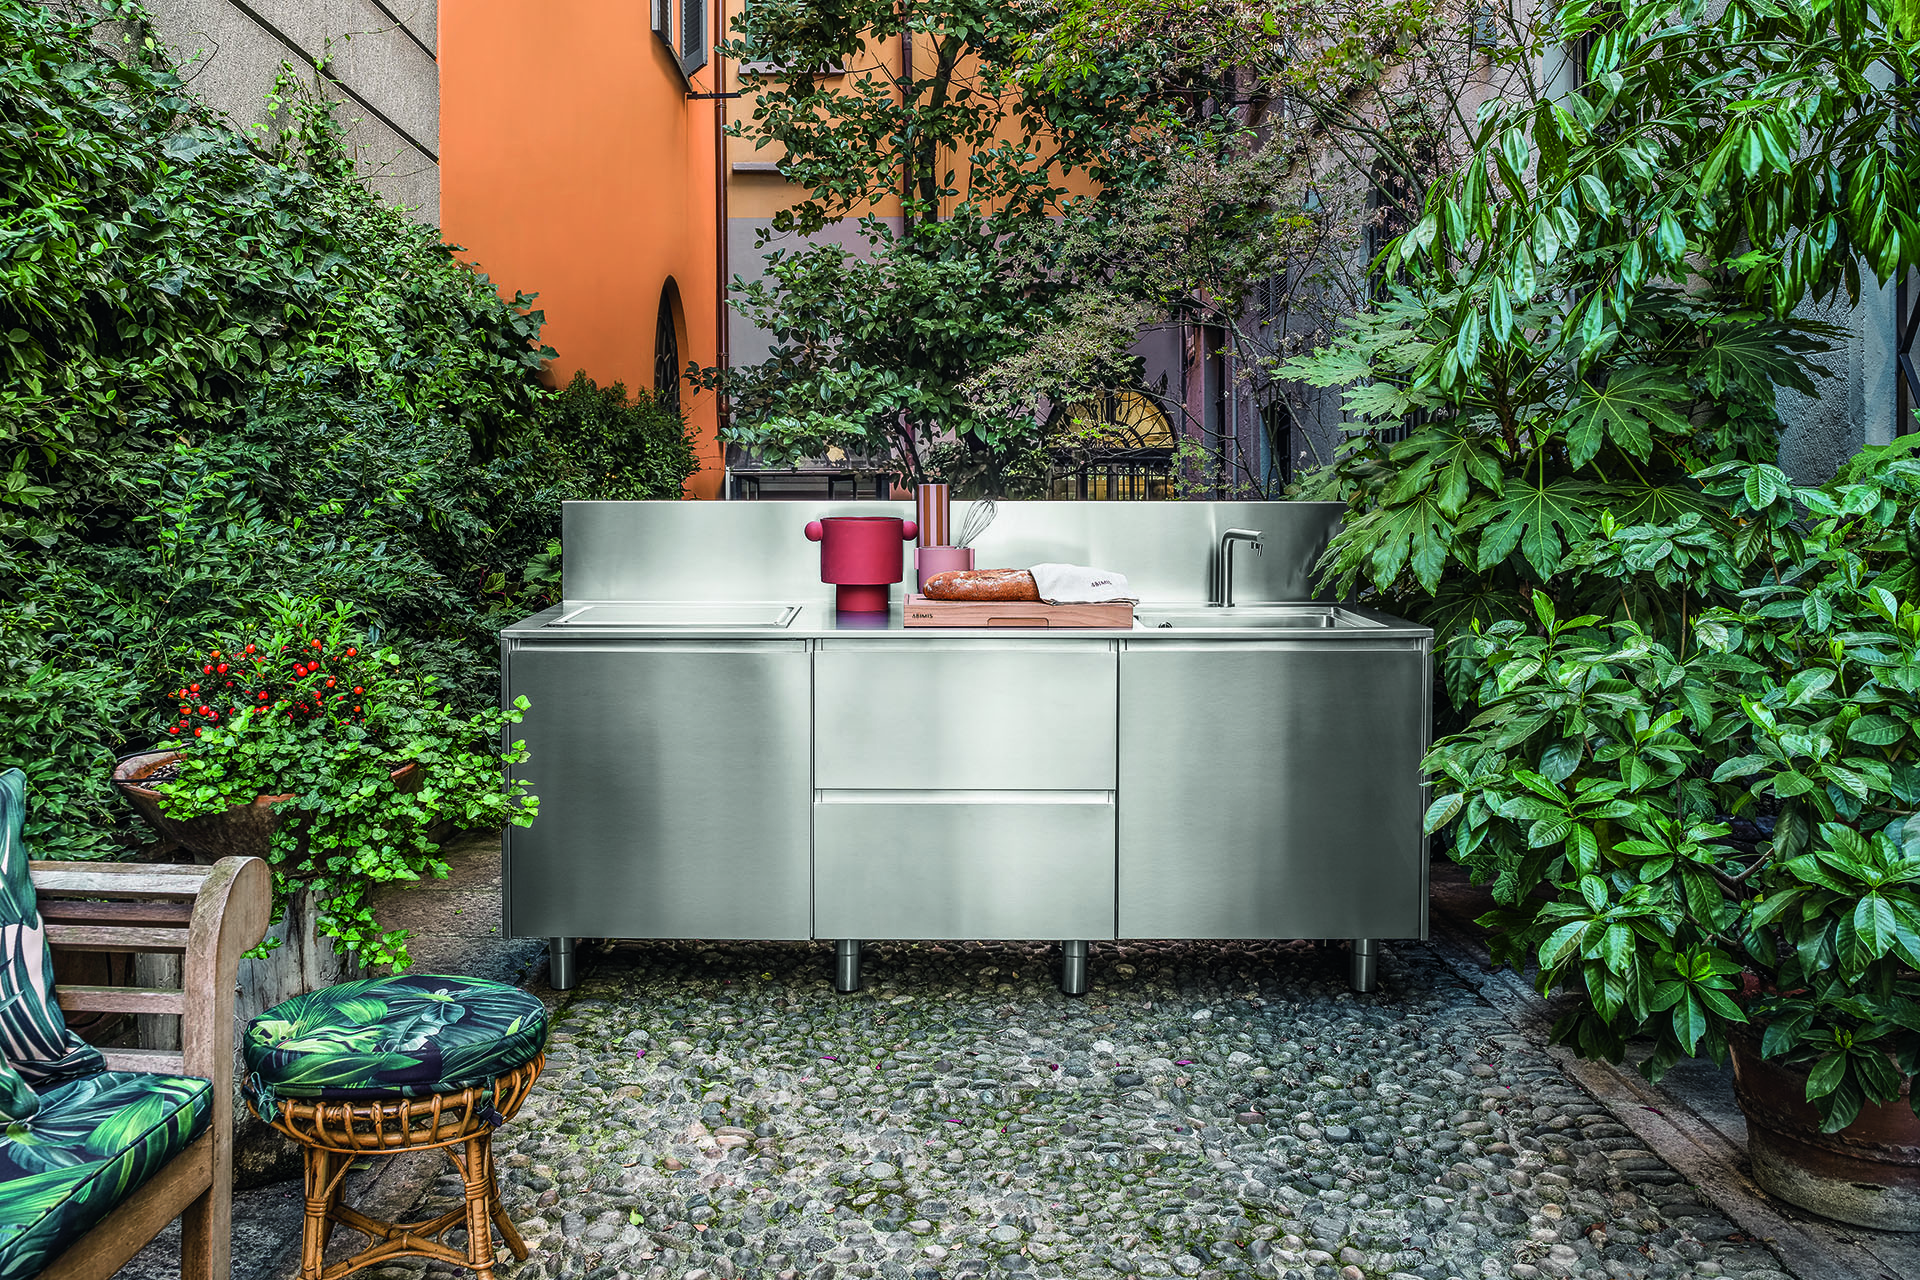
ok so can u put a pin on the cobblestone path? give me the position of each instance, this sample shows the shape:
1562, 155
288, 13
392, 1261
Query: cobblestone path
717, 1111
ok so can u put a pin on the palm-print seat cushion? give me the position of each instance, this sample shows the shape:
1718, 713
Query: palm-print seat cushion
90, 1145
406, 1036
33, 1034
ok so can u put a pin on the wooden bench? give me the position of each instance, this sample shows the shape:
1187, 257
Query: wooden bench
207, 916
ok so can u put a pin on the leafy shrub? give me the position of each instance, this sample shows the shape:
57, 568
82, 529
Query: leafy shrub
609, 448
264, 385
156, 266
1595, 790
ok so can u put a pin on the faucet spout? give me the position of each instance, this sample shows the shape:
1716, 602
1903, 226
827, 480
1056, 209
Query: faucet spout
1223, 572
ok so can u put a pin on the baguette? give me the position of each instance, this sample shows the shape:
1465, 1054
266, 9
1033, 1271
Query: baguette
981, 584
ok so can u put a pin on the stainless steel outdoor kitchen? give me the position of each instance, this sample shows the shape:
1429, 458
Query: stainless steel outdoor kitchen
721, 752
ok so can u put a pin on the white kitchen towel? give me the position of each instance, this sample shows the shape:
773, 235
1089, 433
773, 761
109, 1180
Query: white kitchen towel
1077, 584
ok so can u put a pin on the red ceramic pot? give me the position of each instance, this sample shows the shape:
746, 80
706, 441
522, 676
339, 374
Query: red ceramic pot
862, 556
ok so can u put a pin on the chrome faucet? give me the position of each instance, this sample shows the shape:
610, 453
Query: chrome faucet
1223, 574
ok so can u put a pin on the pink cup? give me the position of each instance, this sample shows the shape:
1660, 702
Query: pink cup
928, 561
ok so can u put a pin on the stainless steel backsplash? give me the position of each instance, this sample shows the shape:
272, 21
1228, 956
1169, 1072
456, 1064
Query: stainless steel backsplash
758, 550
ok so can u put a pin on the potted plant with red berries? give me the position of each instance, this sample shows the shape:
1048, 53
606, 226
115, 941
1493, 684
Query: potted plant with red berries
307, 745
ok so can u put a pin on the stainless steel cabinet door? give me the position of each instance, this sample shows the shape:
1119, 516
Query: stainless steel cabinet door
905, 864
1272, 791
965, 714
674, 791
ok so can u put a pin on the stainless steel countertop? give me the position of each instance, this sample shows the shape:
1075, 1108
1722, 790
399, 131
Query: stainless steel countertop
816, 620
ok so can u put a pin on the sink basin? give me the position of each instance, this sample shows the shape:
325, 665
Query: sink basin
695, 614
1285, 617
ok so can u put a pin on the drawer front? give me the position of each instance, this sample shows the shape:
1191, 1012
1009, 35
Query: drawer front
1273, 794
674, 797
901, 865
966, 716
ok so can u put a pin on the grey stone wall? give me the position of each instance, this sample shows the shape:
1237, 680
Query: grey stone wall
380, 59
1856, 405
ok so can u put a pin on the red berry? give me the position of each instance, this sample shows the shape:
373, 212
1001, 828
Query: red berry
216, 653
329, 682
358, 689
205, 712
196, 733
222, 668
352, 652
193, 688
206, 670
249, 648
263, 696
316, 644
175, 729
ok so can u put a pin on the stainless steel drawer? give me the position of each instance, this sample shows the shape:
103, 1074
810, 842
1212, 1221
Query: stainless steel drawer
905, 864
968, 715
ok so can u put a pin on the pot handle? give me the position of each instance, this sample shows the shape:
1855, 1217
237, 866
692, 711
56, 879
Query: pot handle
815, 531
909, 530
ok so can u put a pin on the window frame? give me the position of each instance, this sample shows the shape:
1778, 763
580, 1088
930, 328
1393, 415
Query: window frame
670, 26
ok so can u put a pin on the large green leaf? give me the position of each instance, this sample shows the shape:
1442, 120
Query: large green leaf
1415, 535
1758, 357
1538, 520
1633, 404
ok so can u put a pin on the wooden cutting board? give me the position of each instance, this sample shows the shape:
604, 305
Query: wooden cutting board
922, 612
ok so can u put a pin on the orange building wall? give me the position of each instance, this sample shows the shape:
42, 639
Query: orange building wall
573, 165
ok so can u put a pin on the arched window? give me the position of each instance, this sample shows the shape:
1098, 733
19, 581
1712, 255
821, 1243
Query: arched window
666, 351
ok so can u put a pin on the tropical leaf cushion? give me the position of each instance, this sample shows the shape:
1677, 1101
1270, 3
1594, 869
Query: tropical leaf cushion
91, 1145
18, 1101
407, 1036
33, 1035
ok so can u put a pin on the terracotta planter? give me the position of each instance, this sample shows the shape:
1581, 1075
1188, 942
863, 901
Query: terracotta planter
1867, 1174
245, 830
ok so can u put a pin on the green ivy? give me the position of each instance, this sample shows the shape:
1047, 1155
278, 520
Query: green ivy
232, 376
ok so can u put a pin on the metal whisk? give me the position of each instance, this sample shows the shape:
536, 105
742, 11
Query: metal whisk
979, 516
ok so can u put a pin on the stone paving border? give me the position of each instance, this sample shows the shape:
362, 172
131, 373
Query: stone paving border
1810, 1248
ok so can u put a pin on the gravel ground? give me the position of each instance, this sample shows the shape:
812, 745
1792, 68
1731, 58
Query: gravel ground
717, 1111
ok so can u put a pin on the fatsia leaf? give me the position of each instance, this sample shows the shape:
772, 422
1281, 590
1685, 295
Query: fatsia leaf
1416, 535
1634, 403
1539, 520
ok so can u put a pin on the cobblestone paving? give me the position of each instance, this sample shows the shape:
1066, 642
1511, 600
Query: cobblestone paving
717, 1111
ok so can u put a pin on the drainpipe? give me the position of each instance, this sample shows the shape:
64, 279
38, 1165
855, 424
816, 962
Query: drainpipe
722, 317
906, 153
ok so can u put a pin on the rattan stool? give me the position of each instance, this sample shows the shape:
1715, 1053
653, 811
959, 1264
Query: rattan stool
333, 1133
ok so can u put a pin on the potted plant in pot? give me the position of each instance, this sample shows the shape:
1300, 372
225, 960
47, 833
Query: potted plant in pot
1605, 789
306, 744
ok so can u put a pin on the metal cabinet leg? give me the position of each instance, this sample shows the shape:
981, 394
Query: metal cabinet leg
846, 965
561, 975
1073, 968
1365, 962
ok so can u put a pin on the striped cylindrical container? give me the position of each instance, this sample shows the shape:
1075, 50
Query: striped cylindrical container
933, 510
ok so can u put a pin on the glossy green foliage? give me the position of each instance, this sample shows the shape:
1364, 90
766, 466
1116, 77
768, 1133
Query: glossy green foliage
1595, 788
155, 266
308, 707
1602, 300
871, 349
233, 375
